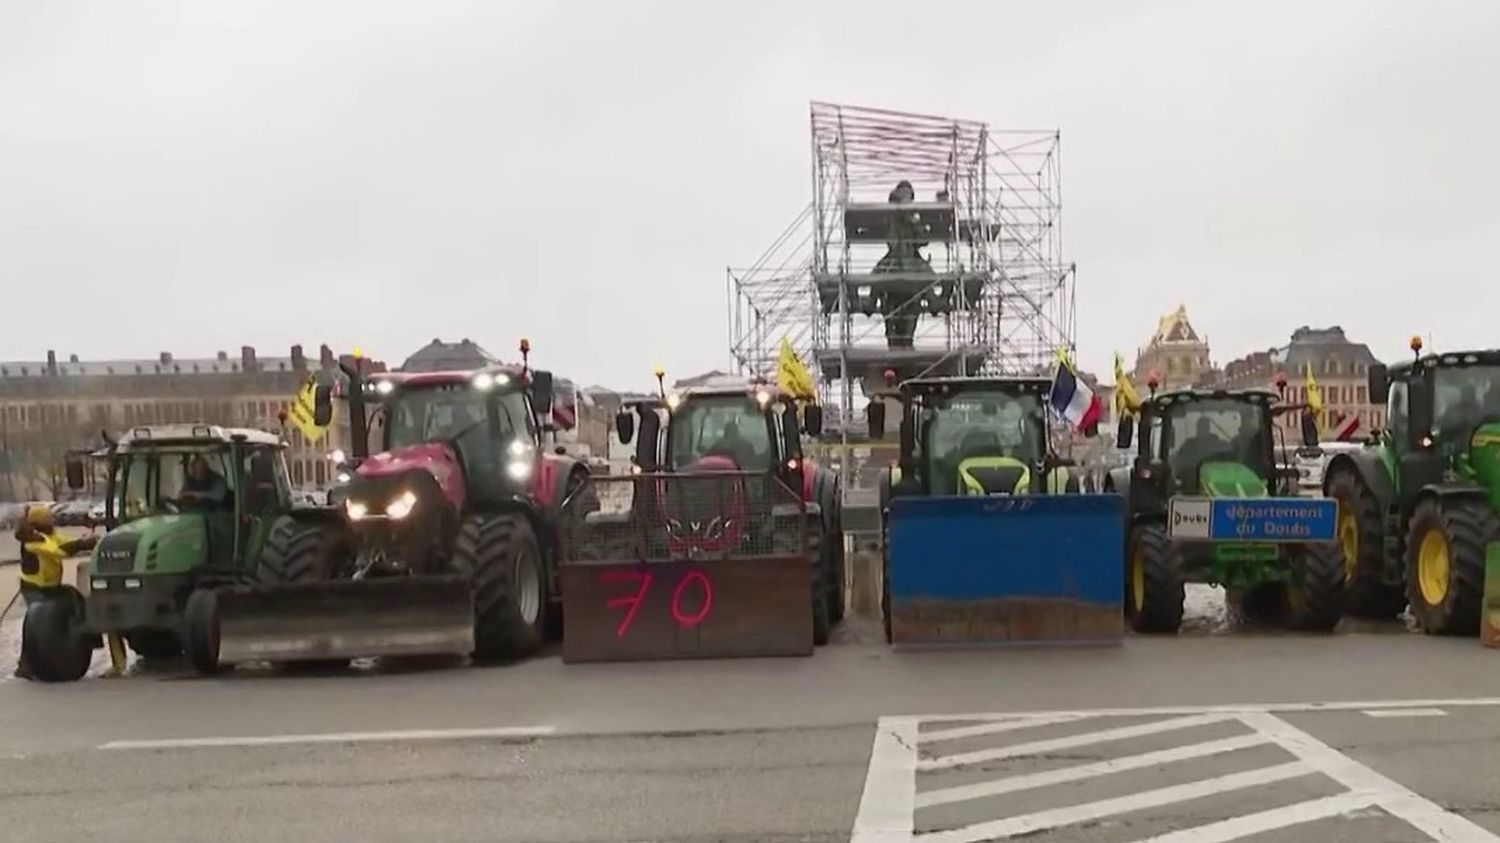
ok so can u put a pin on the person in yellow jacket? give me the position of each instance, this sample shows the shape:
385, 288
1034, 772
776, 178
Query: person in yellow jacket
42, 555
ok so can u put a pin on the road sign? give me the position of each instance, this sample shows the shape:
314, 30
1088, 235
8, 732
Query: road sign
1253, 519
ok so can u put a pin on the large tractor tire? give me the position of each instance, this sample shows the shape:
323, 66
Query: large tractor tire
833, 546
154, 644
1315, 593
501, 553
822, 621
1153, 581
1445, 562
299, 551
53, 645
1361, 542
200, 631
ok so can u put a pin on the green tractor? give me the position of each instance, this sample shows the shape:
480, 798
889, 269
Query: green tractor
1418, 504
963, 436
189, 508
1196, 451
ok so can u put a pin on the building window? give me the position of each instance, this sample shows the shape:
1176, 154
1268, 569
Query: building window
297, 472
1360, 395
321, 469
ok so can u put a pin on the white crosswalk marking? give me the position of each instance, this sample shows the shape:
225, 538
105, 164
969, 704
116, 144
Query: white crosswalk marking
912, 783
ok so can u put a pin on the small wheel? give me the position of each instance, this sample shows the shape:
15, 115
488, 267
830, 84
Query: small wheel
52, 643
1153, 581
200, 631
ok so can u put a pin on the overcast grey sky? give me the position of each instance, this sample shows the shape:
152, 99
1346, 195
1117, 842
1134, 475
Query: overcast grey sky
196, 175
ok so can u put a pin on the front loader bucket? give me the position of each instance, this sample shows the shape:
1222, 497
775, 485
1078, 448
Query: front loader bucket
346, 619
1006, 569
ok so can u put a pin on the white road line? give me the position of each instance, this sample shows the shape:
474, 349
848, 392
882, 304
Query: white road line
1074, 814
1405, 712
1071, 741
1394, 798
1238, 708
1271, 820
995, 728
886, 810
944, 796
336, 737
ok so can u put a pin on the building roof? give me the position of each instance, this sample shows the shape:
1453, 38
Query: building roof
438, 356
1174, 328
1314, 345
165, 364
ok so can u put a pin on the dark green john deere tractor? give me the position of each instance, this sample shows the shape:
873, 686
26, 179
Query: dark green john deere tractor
1196, 446
1418, 504
189, 508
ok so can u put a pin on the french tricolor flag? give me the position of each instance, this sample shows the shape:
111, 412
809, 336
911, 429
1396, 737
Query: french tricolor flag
1073, 400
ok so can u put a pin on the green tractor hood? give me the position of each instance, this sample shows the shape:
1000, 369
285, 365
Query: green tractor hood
156, 544
1484, 460
1231, 480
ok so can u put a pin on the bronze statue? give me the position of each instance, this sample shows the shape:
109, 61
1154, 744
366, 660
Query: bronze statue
898, 301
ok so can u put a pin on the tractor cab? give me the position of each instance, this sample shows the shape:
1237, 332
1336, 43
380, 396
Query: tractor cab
742, 426
1208, 442
974, 436
183, 497
1443, 414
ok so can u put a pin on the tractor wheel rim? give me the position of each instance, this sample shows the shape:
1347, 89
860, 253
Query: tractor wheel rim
528, 586
1433, 567
1138, 579
1349, 544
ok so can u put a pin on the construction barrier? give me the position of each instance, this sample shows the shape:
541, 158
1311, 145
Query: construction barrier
995, 570
673, 566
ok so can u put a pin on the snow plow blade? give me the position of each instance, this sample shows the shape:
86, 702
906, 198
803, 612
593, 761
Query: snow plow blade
395, 616
1006, 570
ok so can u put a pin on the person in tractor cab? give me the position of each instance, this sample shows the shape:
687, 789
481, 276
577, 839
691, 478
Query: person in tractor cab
1192, 453
203, 486
42, 555
733, 444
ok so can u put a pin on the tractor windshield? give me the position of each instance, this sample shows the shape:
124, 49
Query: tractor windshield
732, 426
980, 424
1464, 397
1216, 430
434, 413
157, 481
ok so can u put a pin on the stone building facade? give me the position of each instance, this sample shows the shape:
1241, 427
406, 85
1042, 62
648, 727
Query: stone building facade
1176, 353
1339, 366
49, 407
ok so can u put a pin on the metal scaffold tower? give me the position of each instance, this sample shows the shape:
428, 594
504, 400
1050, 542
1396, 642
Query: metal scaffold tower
932, 246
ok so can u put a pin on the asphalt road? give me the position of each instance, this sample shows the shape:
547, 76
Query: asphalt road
856, 740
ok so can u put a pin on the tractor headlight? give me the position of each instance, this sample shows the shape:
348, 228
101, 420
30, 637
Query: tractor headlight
384, 387
484, 381
518, 469
355, 510
401, 507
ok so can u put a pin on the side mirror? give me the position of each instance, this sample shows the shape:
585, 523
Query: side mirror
1125, 433
1380, 385
624, 426
1309, 430
322, 405
73, 468
875, 415
541, 392
645, 443
812, 420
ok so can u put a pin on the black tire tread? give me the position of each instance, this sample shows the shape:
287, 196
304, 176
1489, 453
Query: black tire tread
53, 649
1323, 590
1469, 524
1161, 612
295, 552
199, 618
1369, 595
484, 549
822, 623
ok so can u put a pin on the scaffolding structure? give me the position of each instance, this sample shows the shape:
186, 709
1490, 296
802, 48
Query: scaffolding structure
932, 246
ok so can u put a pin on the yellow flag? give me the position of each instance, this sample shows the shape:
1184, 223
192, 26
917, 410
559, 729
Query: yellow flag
301, 413
1314, 399
1127, 400
792, 376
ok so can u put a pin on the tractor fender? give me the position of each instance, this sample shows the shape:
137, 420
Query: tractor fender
549, 484
1446, 491
1367, 465
1117, 482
